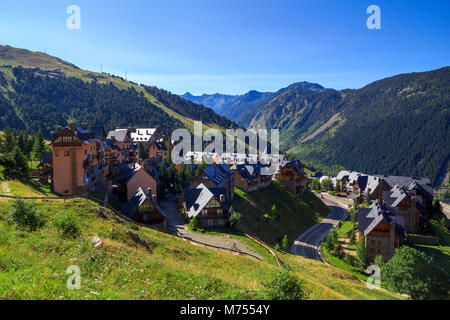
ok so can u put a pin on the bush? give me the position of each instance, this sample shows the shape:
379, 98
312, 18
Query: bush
444, 222
285, 286
379, 261
235, 219
196, 224
274, 213
353, 236
25, 216
349, 259
67, 226
285, 243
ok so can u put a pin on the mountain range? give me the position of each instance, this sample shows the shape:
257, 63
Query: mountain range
398, 125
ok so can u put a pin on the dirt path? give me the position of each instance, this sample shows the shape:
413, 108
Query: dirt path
175, 223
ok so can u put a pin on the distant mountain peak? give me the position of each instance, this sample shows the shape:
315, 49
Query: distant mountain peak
305, 85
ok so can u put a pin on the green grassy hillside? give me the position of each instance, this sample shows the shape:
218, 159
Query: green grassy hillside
296, 214
33, 264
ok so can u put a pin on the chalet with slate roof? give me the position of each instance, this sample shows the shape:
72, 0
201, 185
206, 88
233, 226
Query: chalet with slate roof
133, 177
210, 205
217, 176
144, 209
249, 177
293, 176
408, 205
383, 229
157, 151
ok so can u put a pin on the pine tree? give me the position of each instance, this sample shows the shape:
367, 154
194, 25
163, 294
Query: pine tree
8, 141
18, 168
39, 146
361, 254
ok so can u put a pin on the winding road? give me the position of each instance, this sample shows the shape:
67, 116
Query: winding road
308, 244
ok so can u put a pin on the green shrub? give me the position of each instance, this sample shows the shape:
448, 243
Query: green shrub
379, 261
349, 259
25, 216
353, 236
235, 219
67, 226
285, 286
133, 226
196, 224
285, 243
274, 213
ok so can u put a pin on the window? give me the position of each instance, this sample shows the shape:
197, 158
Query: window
219, 212
56, 153
372, 241
213, 204
66, 153
205, 212
372, 250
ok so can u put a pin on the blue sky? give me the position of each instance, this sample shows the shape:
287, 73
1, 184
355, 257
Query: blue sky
208, 46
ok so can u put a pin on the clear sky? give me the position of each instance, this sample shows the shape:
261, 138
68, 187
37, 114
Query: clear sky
233, 46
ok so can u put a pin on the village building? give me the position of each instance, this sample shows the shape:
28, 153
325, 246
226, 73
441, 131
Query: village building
210, 205
217, 176
250, 177
45, 169
293, 177
133, 177
157, 151
383, 230
76, 156
126, 148
408, 206
144, 209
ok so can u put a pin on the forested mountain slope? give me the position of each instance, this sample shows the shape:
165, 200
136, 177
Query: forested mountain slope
398, 125
38, 91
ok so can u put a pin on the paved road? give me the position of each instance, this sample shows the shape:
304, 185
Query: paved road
175, 223
308, 244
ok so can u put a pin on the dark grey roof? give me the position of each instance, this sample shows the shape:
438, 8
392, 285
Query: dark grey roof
198, 198
403, 181
369, 218
137, 201
219, 174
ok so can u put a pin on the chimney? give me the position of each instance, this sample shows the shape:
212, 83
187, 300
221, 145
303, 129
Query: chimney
222, 198
58, 129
